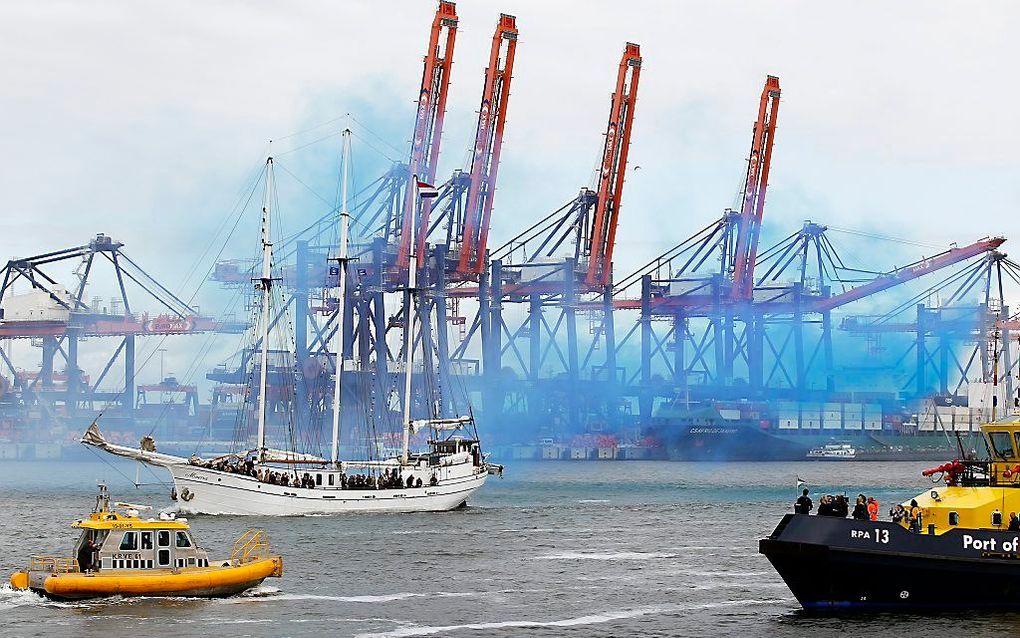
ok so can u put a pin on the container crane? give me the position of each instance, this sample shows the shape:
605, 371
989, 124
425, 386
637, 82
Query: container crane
613, 169
488, 143
588, 222
428, 124
753, 205
907, 273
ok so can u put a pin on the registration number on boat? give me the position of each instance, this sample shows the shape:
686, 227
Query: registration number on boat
880, 536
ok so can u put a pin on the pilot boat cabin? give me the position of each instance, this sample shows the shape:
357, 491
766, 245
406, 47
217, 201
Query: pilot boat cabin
113, 541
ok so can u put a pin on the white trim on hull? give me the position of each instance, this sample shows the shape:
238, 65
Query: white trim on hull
213, 492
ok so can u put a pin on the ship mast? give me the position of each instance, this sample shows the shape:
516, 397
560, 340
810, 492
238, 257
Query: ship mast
412, 267
341, 259
266, 282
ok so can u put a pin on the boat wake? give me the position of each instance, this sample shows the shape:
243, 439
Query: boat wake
276, 595
593, 619
11, 598
606, 556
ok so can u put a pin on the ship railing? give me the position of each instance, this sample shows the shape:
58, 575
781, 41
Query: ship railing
54, 564
253, 545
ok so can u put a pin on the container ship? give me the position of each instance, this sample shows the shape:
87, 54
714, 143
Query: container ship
794, 431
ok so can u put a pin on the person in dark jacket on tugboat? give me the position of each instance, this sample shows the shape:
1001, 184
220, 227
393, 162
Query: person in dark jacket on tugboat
841, 507
830, 506
803, 504
861, 509
1014, 523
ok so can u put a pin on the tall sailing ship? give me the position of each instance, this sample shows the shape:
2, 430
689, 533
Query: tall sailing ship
269, 481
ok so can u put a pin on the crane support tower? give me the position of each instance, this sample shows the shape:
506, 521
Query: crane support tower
753, 205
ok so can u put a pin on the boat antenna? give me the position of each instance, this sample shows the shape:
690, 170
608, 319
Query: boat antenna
412, 267
341, 260
265, 283
995, 370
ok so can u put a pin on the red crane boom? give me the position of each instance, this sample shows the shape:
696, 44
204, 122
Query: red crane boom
428, 124
614, 168
488, 142
753, 204
913, 271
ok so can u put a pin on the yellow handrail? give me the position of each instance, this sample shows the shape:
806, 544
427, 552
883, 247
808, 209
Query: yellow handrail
55, 564
253, 545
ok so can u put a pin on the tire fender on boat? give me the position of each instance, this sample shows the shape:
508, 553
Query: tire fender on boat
187, 494
173, 493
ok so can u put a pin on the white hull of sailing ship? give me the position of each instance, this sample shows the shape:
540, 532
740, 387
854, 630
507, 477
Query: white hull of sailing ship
203, 490
212, 492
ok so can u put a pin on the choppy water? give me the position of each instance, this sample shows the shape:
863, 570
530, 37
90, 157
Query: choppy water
554, 549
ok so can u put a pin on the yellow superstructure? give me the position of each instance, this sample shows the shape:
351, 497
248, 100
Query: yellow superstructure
113, 520
977, 494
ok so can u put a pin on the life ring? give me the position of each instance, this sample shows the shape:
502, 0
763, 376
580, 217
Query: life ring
173, 493
187, 494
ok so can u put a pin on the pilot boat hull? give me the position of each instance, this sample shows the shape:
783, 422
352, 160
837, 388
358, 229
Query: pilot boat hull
835, 564
204, 582
205, 491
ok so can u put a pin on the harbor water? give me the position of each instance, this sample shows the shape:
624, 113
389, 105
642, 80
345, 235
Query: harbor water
552, 549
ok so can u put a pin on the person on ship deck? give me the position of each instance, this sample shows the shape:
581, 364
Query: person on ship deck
861, 508
872, 508
915, 516
803, 504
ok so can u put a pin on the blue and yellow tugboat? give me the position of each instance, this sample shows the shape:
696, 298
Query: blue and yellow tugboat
958, 547
121, 553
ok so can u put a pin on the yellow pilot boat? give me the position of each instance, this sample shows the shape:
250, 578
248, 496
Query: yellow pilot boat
120, 553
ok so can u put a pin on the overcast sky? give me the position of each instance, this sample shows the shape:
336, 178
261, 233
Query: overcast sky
143, 120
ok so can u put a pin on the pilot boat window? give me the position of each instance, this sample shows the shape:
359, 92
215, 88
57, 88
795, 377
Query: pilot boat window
163, 538
183, 540
129, 542
163, 557
146, 540
330, 479
1002, 444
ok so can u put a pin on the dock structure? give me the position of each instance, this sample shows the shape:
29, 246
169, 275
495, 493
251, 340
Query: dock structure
539, 331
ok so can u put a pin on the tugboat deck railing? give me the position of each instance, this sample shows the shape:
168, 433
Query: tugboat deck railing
54, 564
253, 545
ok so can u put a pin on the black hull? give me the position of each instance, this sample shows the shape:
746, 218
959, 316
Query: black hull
729, 442
833, 565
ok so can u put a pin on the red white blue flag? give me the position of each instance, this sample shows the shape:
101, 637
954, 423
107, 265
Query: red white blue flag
427, 190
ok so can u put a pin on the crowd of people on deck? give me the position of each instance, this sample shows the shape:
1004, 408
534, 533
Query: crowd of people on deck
866, 508
389, 479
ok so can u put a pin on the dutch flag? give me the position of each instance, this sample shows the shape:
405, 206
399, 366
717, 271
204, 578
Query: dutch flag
426, 191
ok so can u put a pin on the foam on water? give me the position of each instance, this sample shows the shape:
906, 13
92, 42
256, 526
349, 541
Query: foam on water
606, 556
11, 598
593, 619
367, 598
